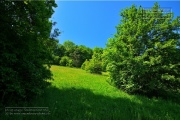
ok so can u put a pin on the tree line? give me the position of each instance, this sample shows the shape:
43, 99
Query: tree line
72, 55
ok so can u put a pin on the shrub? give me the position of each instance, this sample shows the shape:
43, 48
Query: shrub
92, 66
56, 60
83, 66
66, 61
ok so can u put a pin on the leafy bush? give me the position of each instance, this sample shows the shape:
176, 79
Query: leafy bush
70, 63
83, 66
56, 60
66, 61
92, 66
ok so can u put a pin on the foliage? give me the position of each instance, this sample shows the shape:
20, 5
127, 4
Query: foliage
77, 54
83, 66
94, 65
69, 47
59, 50
65, 61
80, 54
143, 57
25, 48
56, 59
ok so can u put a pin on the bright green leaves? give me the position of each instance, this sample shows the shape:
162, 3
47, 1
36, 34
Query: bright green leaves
143, 57
94, 65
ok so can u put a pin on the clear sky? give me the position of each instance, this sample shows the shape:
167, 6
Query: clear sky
91, 23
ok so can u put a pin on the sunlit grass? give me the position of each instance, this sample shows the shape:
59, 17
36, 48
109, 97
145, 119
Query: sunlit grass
78, 95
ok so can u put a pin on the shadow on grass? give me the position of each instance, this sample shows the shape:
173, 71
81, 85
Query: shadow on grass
83, 104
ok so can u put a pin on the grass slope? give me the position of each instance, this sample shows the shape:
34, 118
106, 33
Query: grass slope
77, 95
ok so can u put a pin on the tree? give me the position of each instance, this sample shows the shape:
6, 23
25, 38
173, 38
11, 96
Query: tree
55, 60
94, 65
76, 53
26, 48
80, 54
58, 53
86, 53
143, 57
59, 50
69, 47
66, 61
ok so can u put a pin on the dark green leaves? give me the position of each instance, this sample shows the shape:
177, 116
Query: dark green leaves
25, 48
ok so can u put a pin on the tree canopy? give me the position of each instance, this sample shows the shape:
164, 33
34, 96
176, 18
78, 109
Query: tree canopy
72, 55
26, 47
143, 57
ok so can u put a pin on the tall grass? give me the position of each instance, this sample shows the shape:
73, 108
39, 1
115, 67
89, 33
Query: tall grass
78, 95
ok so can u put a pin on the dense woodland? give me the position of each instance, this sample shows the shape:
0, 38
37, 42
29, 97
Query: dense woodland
26, 48
142, 58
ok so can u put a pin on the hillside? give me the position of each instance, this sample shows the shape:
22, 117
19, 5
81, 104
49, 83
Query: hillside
78, 95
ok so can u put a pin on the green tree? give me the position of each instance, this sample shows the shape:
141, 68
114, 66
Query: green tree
143, 57
80, 54
69, 47
55, 60
94, 65
77, 54
26, 46
58, 53
59, 50
86, 53
66, 61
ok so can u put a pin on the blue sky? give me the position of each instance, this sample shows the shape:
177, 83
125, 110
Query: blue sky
91, 23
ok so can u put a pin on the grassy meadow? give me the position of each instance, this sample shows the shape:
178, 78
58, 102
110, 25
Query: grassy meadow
78, 95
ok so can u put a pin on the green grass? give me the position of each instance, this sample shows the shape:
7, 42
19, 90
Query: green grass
78, 95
